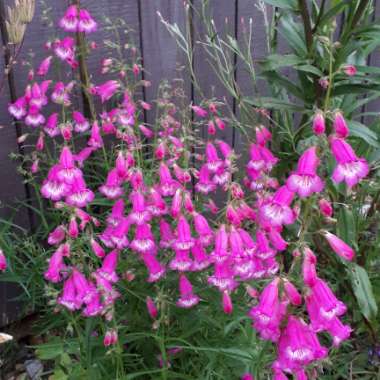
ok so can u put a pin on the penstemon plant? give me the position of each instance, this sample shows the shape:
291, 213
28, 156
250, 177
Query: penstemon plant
135, 209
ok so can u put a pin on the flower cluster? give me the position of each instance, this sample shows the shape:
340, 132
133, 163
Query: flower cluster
161, 219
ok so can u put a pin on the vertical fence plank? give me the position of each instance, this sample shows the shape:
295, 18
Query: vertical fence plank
250, 13
223, 16
163, 59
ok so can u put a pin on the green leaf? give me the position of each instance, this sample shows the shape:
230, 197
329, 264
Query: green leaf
360, 130
347, 226
332, 12
276, 61
293, 34
282, 82
309, 69
363, 291
285, 4
274, 104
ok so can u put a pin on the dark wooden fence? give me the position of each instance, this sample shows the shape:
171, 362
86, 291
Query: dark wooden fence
160, 56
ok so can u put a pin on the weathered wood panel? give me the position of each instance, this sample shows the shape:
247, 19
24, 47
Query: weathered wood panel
162, 58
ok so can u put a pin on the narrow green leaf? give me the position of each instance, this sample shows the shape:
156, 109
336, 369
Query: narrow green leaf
363, 291
360, 130
285, 4
273, 103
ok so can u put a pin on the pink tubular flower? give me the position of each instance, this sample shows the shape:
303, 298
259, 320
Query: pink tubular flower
110, 338
140, 213
268, 314
34, 117
151, 307
69, 22
64, 49
95, 141
56, 236
168, 186
263, 251
213, 161
204, 184
44, 66
339, 246
298, 346
112, 189
203, 229
276, 211
108, 268
187, 299
262, 135
227, 303
340, 125
97, 248
350, 70
305, 180
18, 108
325, 207
107, 90
292, 293
155, 269
69, 296
56, 264
199, 111
183, 241
51, 126
247, 376
322, 305
80, 195
350, 168
319, 126
86, 23
52, 188
3, 262
309, 267
201, 259
81, 123
143, 241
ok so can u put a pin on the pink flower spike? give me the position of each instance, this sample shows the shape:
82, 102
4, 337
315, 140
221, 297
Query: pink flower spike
3, 262
247, 376
227, 303
319, 126
340, 125
187, 299
339, 246
110, 338
151, 307
69, 22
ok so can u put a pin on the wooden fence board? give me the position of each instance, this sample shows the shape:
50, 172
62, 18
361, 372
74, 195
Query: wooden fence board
163, 59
